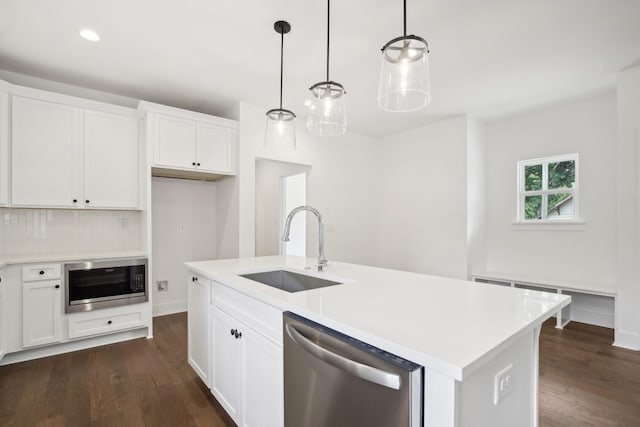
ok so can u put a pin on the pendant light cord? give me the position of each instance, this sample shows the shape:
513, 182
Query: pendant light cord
328, 32
405, 18
281, 64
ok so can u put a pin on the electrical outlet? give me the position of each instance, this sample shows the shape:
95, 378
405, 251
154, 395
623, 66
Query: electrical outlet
502, 384
163, 285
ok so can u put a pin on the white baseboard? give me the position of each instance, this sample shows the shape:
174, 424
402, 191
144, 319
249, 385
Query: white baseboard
162, 309
583, 315
629, 340
81, 344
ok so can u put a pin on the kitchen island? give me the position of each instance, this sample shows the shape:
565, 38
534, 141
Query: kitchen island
478, 343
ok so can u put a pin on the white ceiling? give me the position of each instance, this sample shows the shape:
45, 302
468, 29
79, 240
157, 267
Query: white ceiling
488, 57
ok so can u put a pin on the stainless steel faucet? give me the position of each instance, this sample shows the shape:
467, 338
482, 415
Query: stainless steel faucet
322, 261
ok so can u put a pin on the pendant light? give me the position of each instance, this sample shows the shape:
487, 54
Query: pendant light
328, 107
404, 77
280, 132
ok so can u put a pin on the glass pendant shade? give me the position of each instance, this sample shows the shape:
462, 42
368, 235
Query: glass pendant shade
404, 77
327, 110
280, 132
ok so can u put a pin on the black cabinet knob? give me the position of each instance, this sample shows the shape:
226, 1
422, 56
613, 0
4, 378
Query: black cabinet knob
197, 164
233, 332
109, 322
238, 334
193, 163
41, 272
87, 201
57, 286
75, 200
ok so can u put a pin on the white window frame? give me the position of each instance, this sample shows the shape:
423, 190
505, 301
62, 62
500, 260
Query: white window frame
575, 191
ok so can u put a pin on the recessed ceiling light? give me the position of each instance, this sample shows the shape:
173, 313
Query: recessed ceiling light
89, 34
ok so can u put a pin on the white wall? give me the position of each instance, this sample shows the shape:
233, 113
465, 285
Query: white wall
269, 204
587, 127
476, 196
341, 186
184, 229
628, 212
422, 199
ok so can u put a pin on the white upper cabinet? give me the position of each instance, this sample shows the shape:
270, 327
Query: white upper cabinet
213, 148
111, 160
188, 144
4, 148
175, 144
45, 143
71, 157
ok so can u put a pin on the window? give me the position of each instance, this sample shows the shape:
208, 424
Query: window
548, 189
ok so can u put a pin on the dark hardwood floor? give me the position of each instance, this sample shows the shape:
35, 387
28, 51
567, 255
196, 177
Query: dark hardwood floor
135, 383
584, 381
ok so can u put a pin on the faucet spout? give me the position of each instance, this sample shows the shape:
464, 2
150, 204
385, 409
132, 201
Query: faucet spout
322, 261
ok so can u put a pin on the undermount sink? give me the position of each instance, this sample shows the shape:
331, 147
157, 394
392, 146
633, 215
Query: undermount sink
289, 281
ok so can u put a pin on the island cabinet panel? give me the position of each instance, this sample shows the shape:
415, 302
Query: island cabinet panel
247, 364
198, 348
227, 363
45, 144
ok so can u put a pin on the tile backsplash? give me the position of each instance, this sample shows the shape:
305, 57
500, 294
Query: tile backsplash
59, 231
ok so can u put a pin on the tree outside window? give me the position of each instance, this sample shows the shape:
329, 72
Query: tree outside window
548, 189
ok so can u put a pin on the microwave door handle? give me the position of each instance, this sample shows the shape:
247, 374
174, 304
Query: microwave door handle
360, 370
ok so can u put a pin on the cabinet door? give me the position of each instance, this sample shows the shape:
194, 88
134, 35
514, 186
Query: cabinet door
2, 311
227, 375
213, 148
45, 142
175, 142
111, 160
262, 392
198, 326
4, 148
41, 313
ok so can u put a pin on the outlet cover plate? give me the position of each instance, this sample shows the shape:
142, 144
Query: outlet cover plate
163, 285
502, 384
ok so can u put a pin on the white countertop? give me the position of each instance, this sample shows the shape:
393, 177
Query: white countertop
30, 259
449, 325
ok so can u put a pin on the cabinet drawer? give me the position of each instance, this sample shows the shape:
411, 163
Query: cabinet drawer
34, 272
86, 324
263, 318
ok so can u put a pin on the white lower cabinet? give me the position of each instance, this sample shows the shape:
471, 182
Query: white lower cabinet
41, 313
105, 321
199, 300
2, 311
247, 367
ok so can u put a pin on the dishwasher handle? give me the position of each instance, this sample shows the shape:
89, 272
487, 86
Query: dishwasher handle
360, 370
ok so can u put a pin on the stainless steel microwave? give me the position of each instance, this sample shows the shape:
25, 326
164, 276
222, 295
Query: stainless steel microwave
99, 284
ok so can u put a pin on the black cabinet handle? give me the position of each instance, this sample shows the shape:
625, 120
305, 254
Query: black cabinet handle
238, 334
197, 164
87, 201
57, 286
109, 322
41, 272
233, 332
193, 163
75, 200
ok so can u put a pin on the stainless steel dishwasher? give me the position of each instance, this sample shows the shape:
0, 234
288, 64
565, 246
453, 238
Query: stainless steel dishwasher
333, 380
